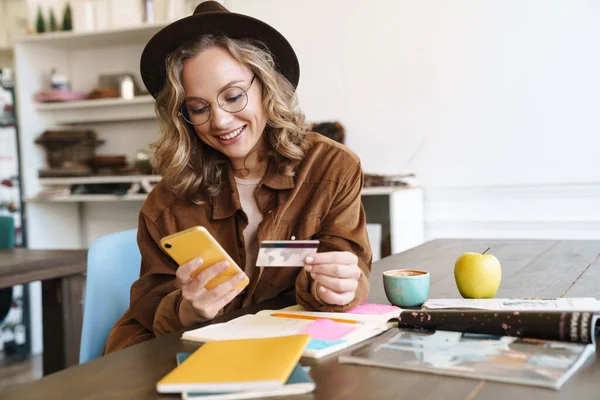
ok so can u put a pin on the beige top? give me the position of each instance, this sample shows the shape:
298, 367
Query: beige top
246, 191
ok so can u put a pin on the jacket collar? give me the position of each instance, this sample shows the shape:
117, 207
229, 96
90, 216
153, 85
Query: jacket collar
276, 180
227, 202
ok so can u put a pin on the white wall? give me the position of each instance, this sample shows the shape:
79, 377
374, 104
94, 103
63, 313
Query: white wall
485, 96
504, 92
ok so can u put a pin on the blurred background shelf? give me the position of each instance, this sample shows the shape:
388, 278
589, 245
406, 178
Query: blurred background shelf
99, 179
371, 191
99, 110
88, 198
94, 39
382, 190
95, 103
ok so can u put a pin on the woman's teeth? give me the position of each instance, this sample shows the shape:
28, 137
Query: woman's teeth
232, 134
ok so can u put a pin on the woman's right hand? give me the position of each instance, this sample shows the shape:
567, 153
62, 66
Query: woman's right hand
207, 302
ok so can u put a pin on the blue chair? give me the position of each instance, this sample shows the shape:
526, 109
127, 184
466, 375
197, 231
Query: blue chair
7, 241
7, 232
113, 264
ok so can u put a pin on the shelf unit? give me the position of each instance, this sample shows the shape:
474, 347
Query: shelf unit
126, 126
90, 180
370, 191
398, 210
99, 110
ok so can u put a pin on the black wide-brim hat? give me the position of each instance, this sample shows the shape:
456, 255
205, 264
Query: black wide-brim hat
211, 18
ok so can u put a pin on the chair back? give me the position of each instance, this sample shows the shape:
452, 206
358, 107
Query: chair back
7, 232
113, 264
7, 241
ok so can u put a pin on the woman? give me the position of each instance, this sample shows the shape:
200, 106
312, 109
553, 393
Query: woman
237, 158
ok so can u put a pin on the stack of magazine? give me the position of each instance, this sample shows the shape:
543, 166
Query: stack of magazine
538, 342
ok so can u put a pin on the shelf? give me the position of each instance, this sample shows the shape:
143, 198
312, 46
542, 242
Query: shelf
99, 110
93, 39
99, 179
88, 198
138, 197
70, 105
382, 190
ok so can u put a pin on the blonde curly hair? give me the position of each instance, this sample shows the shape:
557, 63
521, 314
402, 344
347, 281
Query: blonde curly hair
192, 169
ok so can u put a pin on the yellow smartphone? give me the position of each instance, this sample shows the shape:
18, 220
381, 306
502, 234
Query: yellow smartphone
195, 242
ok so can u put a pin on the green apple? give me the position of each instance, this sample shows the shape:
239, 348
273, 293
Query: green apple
477, 275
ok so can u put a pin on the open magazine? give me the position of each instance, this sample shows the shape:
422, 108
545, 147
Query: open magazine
533, 362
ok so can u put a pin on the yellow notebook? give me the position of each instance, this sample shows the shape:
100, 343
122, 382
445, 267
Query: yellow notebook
236, 365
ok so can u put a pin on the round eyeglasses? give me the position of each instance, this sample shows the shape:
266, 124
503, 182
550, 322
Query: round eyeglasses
232, 99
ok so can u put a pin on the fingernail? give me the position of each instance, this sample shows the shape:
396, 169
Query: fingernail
309, 259
313, 274
225, 265
322, 289
241, 276
308, 267
199, 261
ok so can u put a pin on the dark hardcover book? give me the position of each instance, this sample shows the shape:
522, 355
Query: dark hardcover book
568, 326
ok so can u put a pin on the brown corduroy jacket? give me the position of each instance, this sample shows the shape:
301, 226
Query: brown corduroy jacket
322, 201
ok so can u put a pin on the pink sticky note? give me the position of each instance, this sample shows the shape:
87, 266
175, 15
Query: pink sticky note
326, 329
371, 308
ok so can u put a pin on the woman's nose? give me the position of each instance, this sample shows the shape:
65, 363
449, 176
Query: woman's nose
220, 119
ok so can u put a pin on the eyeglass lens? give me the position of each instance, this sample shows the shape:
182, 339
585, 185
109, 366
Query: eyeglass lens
232, 99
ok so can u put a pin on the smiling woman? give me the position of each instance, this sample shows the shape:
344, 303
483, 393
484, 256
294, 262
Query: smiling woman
224, 91
236, 157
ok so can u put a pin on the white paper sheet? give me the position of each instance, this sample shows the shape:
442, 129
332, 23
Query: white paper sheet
560, 304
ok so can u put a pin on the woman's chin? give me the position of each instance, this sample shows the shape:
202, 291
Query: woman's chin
238, 151
236, 154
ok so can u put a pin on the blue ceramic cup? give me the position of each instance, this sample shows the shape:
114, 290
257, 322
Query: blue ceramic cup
406, 287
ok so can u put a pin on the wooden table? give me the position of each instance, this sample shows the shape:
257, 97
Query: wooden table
62, 275
530, 268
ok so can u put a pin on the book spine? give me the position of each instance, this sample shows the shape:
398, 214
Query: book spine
572, 326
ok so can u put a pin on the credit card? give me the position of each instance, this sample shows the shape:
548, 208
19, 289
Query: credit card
285, 253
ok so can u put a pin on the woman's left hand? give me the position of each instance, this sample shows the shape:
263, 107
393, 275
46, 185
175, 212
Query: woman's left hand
337, 275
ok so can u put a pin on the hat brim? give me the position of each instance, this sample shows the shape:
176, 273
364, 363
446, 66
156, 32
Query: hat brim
232, 25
